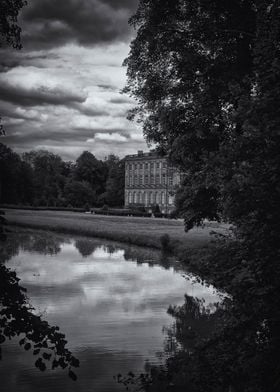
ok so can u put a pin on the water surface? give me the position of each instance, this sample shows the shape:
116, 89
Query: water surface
110, 300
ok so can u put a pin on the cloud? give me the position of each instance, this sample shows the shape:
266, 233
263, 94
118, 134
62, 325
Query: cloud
62, 91
111, 137
26, 96
86, 22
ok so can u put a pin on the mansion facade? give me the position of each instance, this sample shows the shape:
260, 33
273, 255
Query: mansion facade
150, 180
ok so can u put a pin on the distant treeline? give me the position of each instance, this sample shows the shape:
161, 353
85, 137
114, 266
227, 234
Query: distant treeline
41, 178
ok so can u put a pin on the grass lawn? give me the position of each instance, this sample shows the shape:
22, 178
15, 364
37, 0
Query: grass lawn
134, 230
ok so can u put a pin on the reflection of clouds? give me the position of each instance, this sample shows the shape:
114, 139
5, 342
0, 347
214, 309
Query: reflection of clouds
104, 301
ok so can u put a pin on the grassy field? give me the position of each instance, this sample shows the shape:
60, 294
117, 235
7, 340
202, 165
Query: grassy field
133, 230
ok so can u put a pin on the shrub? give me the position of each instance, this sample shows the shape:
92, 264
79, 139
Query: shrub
158, 214
156, 209
165, 243
87, 207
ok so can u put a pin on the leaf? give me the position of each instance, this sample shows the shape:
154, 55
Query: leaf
2, 339
72, 375
22, 341
75, 362
27, 346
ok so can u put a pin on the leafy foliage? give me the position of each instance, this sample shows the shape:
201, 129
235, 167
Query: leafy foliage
9, 28
41, 178
17, 318
206, 76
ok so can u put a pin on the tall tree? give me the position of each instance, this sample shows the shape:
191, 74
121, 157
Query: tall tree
49, 178
90, 169
206, 76
10, 170
114, 193
9, 28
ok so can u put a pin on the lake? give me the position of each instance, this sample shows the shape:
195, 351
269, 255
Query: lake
109, 299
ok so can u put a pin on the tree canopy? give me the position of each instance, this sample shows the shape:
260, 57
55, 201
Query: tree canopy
41, 178
206, 76
9, 28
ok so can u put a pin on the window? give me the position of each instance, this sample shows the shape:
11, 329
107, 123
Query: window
157, 198
157, 179
152, 165
164, 165
152, 179
158, 165
130, 181
129, 197
141, 166
170, 181
135, 180
162, 198
146, 179
145, 198
163, 179
146, 165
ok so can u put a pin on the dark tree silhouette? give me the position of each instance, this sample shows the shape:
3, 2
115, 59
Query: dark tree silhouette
9, 28
17, 318
206, 76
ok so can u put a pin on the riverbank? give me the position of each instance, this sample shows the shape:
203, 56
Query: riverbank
132, 230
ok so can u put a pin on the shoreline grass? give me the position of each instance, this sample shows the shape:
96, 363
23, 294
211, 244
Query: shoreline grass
132, 230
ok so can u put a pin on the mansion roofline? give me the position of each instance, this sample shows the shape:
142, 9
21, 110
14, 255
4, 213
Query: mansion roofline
144, 155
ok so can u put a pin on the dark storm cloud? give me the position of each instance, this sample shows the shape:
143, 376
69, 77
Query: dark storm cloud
25, 96
47, 23
12, 59
18, 133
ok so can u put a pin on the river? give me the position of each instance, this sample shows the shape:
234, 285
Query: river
109, 299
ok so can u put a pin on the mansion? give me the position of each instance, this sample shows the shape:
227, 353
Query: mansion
150, 180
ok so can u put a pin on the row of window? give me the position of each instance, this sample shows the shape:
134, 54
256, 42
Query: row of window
147, 165
149, 180
149, 198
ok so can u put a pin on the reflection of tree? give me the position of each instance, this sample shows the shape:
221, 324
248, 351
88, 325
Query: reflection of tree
193, 322
146, 255
17, 318
85, 247
44, 244
111, 248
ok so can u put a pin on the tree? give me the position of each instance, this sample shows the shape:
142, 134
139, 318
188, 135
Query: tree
206, 76
79, 193
91, 170
9, 28
18, 319
10, 171
196, 70
49, 179
114, 193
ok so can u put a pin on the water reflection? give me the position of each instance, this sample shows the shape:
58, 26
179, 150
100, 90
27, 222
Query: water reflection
110, 300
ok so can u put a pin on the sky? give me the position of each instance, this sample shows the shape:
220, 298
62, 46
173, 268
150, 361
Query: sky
62, 91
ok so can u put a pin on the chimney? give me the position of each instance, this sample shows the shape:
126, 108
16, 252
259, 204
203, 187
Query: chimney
140, 152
